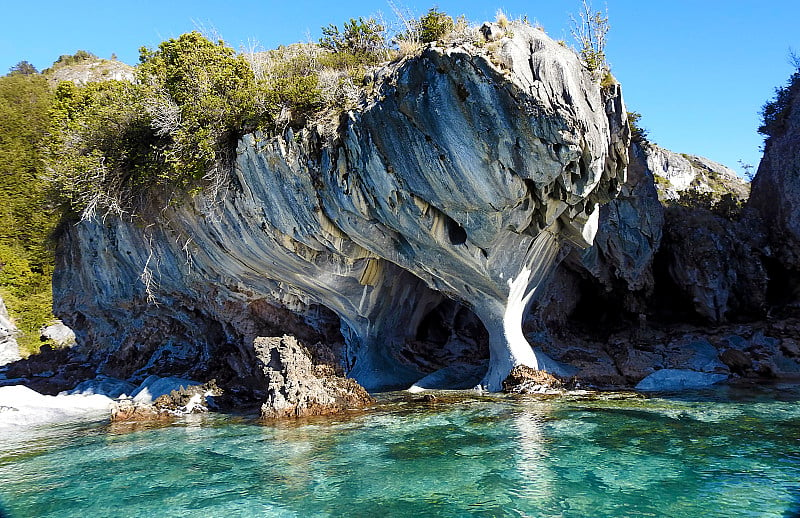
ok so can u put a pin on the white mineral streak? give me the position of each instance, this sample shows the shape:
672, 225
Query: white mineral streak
458, 178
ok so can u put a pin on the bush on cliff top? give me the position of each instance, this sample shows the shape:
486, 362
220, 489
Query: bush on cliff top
775, 112
118, 146
115, 143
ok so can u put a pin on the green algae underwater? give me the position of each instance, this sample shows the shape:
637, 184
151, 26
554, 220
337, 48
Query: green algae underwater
730, 451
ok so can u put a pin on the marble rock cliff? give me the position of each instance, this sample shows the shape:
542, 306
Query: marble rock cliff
448, 191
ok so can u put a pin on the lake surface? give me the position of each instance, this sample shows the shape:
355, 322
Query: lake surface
727, 452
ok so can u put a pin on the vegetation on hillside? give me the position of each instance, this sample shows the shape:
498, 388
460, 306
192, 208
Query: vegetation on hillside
638, 133
27, 218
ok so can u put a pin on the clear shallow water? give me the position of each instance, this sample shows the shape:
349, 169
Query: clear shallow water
731, 452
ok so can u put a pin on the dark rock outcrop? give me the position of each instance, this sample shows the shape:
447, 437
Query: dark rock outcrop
773, 210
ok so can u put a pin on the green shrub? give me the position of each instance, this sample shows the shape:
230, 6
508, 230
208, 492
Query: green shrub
358, 37
434, 25
776, 111
118, 146
638, 133
79, 57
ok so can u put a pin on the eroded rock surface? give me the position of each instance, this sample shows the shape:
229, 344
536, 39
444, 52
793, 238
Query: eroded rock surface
296, 387
459, 177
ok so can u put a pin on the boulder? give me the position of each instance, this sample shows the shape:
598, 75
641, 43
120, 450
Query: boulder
668, 380
59, 334
524, 380
104, 385
9, 350
298, 388
183, 400
154, 386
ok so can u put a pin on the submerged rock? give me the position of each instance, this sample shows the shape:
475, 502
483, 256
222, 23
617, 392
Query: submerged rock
298, 388
678, 379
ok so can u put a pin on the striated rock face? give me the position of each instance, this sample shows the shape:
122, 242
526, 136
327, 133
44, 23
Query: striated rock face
9, 351
298, 388
458, 178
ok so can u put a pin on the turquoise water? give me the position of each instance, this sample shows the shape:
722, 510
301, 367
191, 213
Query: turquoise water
731, 452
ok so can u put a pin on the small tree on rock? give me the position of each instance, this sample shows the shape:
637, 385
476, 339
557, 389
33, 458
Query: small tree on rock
590, 34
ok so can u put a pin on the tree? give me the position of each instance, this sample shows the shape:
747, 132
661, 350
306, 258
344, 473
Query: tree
27, 218
590, 34
638, 133
775, 112
211, 91
23, 68
434, 25
358, 37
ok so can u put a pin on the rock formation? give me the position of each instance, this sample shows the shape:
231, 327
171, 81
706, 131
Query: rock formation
9, 351
678, 174
296, 387
457, 179
773, 210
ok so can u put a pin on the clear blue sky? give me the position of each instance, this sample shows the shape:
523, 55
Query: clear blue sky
697, 71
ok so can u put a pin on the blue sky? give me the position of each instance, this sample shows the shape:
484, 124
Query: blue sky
697, 71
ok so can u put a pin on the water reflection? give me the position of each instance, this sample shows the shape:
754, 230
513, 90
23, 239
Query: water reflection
532, 458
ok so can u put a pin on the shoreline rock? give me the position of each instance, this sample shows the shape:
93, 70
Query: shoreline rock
189, 397
298, 388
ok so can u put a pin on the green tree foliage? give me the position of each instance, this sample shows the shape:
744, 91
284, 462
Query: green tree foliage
117, 146
213, 89
776, 111
638, 133
434, 25
361, 38
104, 153
24, 68
26, 216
